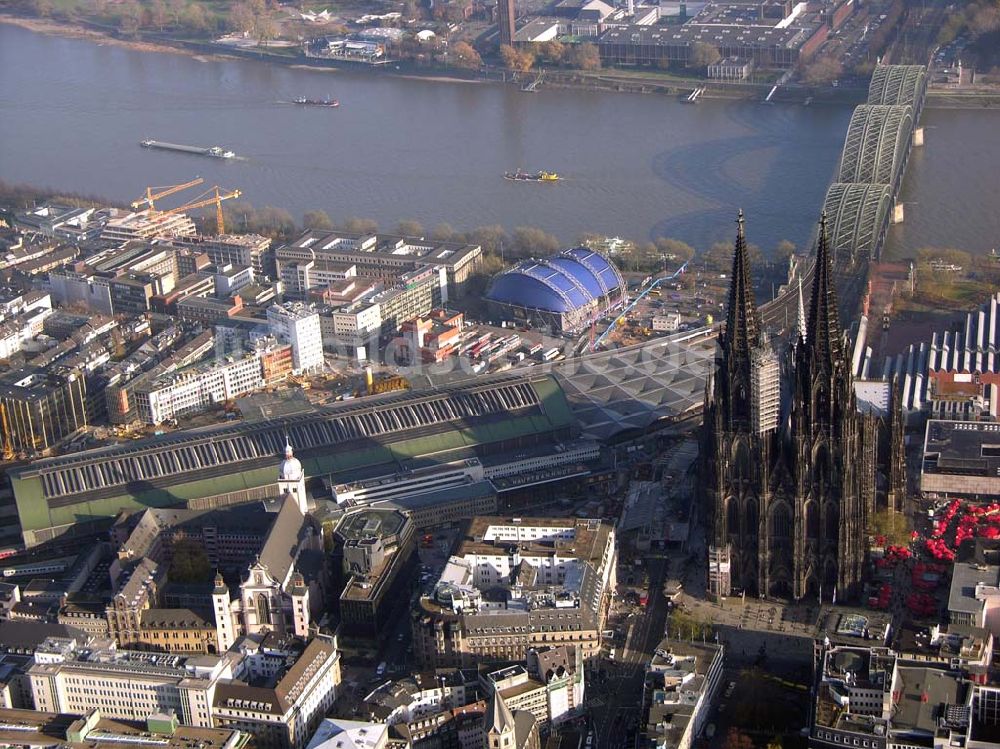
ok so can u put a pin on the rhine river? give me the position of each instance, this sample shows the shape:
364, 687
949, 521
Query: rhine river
72, 113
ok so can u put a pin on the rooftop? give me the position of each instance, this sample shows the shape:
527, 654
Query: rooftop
965, 577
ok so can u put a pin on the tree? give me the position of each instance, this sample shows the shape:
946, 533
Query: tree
784, 251
176, 9
316, 220
703, 55
443, 233
822, 70
130, 20
410, 229
267, 29
41, 8
719, 257
196, 18
737, 740
158, 14
530, 240
895, 527
490, 238
463, 55
357, 225
552, 52
519, 60
241, 18
584, 57
189, 563
681, 251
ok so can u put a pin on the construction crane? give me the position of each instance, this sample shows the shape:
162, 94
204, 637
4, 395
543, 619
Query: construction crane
8, 446
162, 192
214, 195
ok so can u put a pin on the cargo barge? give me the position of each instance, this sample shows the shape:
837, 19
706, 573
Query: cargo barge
217, 152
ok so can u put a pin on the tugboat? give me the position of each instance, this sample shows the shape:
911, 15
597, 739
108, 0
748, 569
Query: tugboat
316, 102
543, 176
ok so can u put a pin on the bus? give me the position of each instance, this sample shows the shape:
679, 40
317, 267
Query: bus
551, 354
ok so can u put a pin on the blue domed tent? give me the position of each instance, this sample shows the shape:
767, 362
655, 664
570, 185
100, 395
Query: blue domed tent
565, 291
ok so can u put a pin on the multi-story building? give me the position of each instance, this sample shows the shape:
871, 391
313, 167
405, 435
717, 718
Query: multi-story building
280, 705
70, 676
974, 597
338, 733
40, 408
208, 311
34, 728
375, 548
126, 226
301, 276
298, 324
867, 696
197, 387
238, 249
176, 631
560, 669
558, 576
959, 460
282, 712
386, 257
680, 684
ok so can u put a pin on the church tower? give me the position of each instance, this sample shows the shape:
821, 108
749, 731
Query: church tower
225, 631
291, 479
830, 468
736, 449
299, 593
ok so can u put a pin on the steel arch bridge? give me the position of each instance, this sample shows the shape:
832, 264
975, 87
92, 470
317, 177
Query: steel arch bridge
877, 144
858, 215
898, 85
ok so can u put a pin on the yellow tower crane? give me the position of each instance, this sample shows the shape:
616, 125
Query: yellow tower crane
155, 193
214, 195
8, 445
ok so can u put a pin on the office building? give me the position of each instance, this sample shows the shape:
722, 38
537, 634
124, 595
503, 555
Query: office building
40, 408
386, 257
375, 550
298, 324
32, 728
72, 676
960, 460
126, 226
196, 388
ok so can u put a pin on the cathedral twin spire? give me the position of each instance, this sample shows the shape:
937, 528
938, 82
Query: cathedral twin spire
742, 319
824, 340
820, 329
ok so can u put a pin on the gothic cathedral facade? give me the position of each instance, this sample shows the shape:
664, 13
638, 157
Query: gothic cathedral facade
789, 463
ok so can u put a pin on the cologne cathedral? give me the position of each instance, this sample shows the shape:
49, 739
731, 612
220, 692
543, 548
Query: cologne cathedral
790, 466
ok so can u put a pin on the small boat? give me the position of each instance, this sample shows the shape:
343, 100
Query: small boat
542, 176
316, 102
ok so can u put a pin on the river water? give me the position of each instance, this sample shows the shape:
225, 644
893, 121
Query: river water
72, 113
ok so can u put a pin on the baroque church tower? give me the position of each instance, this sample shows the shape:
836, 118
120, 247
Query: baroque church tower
789, 471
